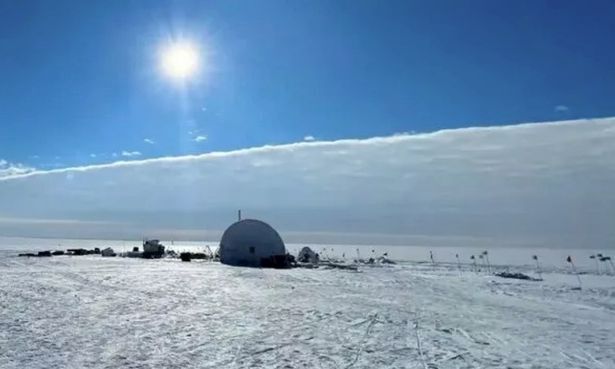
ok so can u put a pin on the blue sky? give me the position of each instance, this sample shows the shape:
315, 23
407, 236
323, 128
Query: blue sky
81, 78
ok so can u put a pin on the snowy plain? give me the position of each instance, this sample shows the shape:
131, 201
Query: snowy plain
93, 312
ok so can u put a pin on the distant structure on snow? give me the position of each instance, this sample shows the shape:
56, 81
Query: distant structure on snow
251, 242
152, 249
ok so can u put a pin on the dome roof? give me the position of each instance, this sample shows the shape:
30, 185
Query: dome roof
248, 241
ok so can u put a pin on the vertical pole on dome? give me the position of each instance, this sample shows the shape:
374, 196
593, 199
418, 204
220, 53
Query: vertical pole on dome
239, 215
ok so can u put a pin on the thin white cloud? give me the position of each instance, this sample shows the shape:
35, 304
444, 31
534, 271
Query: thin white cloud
52, 165
149, 141
200, 138
15, 221
308, 138
114, 154
92, 155
529, 184
131, 153
405, 133
561, 108
8, 169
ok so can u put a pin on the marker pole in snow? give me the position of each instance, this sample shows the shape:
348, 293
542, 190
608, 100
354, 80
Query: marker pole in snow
574, 270
597, 264
473, 263
606, 268
487, 259
603, 259
433, 263
458, 263
535, 257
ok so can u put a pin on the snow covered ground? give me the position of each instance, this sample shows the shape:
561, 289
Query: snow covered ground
88, 311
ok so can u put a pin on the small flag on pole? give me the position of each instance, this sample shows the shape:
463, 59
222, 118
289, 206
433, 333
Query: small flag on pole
596, 258
574, 270
474, 267
608, 258
535, 257
458, 263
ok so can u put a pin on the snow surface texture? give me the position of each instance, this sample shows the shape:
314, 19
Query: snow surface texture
88, 311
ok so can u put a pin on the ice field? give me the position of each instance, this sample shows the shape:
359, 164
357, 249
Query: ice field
93, 312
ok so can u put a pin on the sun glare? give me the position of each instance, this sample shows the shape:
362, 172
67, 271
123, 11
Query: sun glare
179, 60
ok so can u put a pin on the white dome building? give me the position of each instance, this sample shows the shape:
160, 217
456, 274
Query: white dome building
250, 242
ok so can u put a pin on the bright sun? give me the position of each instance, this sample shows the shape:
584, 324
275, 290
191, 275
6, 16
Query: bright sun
179, 60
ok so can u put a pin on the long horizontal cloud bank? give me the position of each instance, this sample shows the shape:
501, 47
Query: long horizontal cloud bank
547, 184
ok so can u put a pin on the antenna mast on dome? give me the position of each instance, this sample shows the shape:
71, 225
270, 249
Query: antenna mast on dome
239, 215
